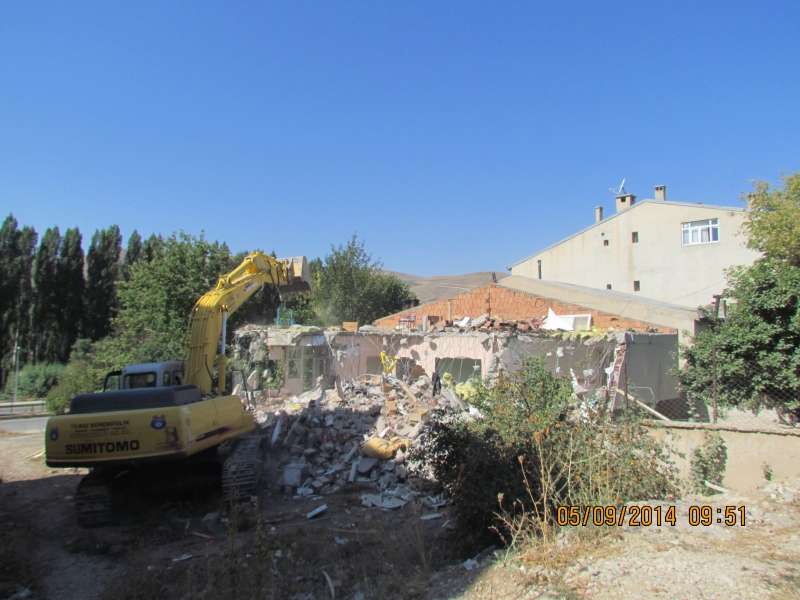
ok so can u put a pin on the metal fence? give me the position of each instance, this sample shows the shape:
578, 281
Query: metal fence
726, 397
22, 407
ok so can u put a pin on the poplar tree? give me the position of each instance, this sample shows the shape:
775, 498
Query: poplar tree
21, 272
133, 252
72, 284
150, 247
102, 269
46, 299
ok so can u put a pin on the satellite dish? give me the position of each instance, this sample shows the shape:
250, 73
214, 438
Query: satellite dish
621, 189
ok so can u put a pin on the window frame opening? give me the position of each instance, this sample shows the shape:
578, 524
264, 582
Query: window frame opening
705, 231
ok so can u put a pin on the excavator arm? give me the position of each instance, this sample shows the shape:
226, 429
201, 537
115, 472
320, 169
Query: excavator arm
207, 322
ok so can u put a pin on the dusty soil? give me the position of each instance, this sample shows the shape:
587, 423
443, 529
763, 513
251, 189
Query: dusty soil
359, 552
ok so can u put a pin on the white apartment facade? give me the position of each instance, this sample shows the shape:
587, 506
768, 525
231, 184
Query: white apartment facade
675, 252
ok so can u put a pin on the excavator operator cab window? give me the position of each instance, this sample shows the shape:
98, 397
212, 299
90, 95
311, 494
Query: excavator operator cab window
133, 381
165, 381
177, 378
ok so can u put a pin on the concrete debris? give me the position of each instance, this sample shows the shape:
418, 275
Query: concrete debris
211, 518
323, 443
366, 465
317, 511
182, 558
430, 517
380, 501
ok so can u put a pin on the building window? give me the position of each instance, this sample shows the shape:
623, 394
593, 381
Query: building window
605, 242
608, 286
700, 232
462, 369
636, 286
635, 237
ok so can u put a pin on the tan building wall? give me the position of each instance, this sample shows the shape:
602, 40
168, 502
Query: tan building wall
665, 269
747, 452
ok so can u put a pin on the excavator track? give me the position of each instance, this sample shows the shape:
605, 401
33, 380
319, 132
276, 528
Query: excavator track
242, 469
93, 506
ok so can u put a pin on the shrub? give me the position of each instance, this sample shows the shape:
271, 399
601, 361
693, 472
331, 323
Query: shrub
534, 449
707, 463
36, 380
78, 378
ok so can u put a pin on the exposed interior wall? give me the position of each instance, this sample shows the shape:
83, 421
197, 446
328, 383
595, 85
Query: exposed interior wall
747, 452
649, 359
497, 301
426, 349
584, 357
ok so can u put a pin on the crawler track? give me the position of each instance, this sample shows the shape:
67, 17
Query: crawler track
93, 500
242, 469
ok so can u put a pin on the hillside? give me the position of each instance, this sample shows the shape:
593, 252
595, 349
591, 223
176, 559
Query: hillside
428, 289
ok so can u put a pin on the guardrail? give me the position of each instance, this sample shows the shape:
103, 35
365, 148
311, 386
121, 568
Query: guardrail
23, 407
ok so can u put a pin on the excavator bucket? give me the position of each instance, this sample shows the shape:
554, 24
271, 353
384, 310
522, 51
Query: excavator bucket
300, 277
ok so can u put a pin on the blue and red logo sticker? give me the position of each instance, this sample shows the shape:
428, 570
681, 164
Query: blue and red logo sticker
54, 434
159, 422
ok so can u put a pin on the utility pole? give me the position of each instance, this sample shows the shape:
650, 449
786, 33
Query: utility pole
16, 370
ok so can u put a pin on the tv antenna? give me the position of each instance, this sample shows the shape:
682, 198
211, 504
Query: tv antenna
621, 189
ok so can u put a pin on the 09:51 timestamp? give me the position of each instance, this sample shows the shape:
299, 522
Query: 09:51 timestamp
704, 515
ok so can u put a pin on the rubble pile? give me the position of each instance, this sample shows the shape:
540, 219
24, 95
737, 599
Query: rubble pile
356, 432
486, 323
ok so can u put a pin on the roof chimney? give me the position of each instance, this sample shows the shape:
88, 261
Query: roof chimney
661, 192
598, 214
625, 201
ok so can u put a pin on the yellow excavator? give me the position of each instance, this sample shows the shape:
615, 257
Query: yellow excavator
164, 417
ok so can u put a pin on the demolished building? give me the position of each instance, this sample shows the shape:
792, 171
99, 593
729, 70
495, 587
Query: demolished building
343, 403
596, 360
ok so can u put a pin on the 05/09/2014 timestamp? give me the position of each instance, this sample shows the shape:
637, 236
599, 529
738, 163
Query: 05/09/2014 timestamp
636, 516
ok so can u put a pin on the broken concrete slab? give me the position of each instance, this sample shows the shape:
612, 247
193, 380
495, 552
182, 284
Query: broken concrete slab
378, 501
294, 475
366, 465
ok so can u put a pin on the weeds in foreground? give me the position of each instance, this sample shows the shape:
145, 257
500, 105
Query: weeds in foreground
537, 449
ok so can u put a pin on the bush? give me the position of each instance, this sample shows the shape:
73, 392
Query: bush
707, 463
535, 450
36, 380
78, 378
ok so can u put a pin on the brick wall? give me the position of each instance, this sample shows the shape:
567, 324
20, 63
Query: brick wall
497, 301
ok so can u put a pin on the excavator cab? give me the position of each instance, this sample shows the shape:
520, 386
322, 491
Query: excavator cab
147, 375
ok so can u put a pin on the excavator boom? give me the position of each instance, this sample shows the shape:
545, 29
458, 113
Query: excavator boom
207, 322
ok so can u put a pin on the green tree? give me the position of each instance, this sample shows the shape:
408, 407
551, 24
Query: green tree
149, 247
102, 269
133, 252
71, 285
17, 248
351, 287
772, 223
46, 298
156, 302
758, 345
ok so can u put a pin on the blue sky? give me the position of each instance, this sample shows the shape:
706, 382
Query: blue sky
453, 137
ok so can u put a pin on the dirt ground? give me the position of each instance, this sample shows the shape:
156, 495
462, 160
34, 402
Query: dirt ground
273, 551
